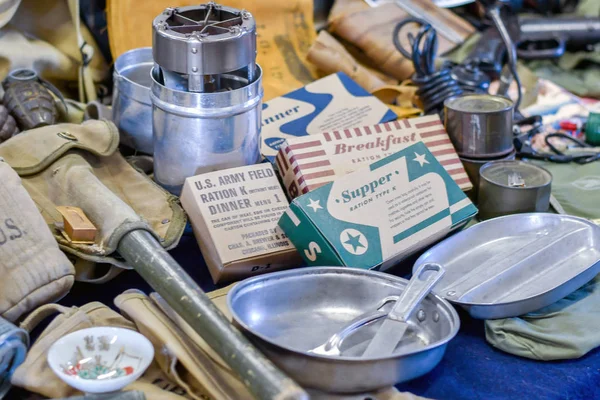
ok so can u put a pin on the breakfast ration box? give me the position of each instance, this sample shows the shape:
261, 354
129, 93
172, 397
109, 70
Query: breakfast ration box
379, 214
333, 102
309, 162
234, 214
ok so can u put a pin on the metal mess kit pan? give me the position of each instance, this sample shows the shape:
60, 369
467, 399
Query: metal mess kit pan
512, 265
290, 314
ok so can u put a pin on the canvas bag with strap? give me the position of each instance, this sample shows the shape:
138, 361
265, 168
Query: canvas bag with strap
34, 271
180, 352
36, 375
49, 37
79, 165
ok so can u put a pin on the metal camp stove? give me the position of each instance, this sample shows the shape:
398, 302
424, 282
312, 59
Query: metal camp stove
206, 92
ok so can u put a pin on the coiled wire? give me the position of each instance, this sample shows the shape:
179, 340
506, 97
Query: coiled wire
434, 86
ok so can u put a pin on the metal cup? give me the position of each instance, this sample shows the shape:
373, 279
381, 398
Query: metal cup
511, 187
198, 132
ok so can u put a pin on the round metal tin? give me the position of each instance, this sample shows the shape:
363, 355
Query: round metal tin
511, 187
480, 125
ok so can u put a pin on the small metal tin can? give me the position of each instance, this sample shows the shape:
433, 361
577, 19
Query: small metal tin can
512, 187
480, 125
472, 167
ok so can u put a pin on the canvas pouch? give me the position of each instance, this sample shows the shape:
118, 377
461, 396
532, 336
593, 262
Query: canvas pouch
36, 375
34, 271
79, 165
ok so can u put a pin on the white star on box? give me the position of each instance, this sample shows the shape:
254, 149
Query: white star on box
314, 204
420, 158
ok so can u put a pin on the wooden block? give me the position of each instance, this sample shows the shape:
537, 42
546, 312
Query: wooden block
77, 227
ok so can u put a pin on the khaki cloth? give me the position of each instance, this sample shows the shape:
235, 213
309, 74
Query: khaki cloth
184, 364
285, 33
181, 353
79, 165
48, 36
371, 31
189, 361
36, 375
33, 270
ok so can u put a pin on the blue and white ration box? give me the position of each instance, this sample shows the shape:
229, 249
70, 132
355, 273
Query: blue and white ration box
326, 105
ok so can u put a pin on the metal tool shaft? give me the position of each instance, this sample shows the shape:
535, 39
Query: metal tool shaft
167, 277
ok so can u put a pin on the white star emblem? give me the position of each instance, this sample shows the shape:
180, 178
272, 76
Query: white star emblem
420, 158
314, 204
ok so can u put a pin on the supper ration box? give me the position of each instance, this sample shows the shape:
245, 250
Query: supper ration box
234, 214
379, 214
333, 102
309, 162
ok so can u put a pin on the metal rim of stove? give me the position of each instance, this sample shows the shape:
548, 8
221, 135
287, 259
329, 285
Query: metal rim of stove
201, 43
247, 22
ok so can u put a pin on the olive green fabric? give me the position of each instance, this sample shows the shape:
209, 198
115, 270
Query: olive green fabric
577, 72
564, 330
79, 165
576, 187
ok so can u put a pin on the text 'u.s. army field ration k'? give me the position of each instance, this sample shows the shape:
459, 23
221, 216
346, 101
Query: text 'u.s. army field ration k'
306, 163
379, 214
234, 215
333, 102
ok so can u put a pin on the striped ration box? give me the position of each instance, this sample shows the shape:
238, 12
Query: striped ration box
378, 215
309, 162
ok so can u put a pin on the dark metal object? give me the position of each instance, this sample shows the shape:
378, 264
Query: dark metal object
511, 187
28, 98
8, 125
470, 78
494, 12
534, 38
480, 125
512, 265
166, 276
473, 165
289, 313
543, 38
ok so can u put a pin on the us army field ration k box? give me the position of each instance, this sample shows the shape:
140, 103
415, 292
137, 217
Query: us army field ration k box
379, 214
333, 102
234, 214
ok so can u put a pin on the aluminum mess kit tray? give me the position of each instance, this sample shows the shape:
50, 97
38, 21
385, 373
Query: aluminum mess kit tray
513, 265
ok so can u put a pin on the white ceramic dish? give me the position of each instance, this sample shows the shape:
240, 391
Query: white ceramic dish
100, 359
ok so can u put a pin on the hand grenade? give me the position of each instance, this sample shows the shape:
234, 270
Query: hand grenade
29, 100
8, 126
